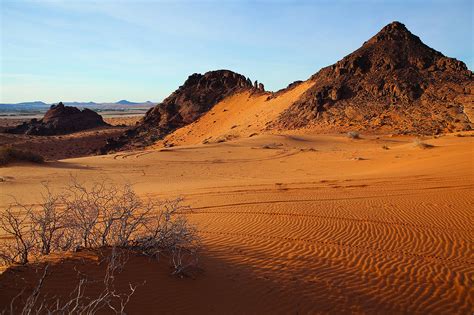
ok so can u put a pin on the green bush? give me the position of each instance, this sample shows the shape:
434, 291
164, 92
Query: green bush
11, 155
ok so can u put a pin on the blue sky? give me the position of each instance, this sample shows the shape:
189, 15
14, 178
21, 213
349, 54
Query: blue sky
107, 50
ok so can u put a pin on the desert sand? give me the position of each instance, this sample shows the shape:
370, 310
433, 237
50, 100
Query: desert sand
240, 115
78, 144
292, 223
294, 215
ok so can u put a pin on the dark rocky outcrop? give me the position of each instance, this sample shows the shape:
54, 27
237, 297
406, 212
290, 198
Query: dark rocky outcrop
60, 119
196, 96
393, 82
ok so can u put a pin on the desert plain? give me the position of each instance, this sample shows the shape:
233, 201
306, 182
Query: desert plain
348, 193
295, 223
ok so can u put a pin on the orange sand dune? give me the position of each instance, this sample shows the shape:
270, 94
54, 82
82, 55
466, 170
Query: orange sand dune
241, 115
297, 223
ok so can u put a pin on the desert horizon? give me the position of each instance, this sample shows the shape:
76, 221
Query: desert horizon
342, 186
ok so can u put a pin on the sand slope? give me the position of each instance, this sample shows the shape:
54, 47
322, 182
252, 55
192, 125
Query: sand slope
240, 115
299, 224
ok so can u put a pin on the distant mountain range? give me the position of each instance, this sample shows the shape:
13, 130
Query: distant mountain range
83, 104
35, 103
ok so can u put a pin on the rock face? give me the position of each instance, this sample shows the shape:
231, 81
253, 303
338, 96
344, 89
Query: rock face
60, 119
196, 96
394, 82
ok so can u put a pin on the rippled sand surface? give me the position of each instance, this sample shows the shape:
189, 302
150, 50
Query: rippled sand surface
300, 224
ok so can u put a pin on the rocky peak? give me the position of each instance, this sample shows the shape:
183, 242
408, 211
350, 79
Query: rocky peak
394, 31
394, 67
198, 94
394, 48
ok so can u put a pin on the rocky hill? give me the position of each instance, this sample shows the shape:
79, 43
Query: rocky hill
60, 119
195, 97
394, 82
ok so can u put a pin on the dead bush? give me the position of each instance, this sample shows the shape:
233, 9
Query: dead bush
272, 145
9, 155
18, 243
353, 135
168, 233
79, 300
422, 145
102, 214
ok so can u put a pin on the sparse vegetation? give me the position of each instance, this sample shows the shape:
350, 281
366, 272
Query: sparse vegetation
353, 135
10, 154
20, 243
385, 147
422, 145
308, 150
97, 216
79, 301
281, 186
272, 146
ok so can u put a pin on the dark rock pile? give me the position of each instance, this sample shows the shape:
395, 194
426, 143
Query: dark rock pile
60, 119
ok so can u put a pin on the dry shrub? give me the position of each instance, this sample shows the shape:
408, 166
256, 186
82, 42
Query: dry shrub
99, 215
108, 299
17, 248
353, 135
272, 145
422, 145
9, 155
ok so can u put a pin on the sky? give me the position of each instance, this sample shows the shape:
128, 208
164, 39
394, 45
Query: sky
106, 50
